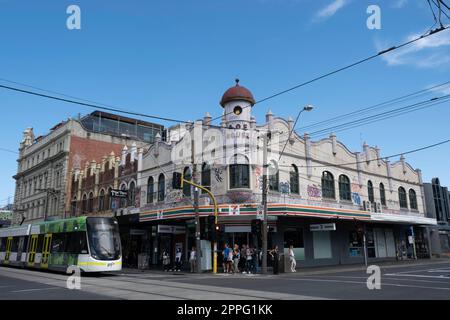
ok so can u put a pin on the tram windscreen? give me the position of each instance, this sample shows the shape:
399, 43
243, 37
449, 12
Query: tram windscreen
104, 238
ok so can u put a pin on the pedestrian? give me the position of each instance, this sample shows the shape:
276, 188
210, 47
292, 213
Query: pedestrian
225, 253
193, 260
166, 261
236, 258
292, 259
178, 256
230, 261
243, 257
275, 259
248, 260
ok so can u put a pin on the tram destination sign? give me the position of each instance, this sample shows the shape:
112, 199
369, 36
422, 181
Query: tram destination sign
119, 193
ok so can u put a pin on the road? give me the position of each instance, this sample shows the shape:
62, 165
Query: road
424, 281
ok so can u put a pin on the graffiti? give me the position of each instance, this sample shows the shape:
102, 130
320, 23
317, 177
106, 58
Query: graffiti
174, 196
240, 196
218, 172
314, 191
258, 178
285, 187
356, 198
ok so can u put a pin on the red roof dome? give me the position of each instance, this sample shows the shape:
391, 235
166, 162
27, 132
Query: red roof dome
237, 93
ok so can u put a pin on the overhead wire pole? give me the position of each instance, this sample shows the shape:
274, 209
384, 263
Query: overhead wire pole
266, 137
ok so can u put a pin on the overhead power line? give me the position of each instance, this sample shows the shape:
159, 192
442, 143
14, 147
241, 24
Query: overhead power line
383, 52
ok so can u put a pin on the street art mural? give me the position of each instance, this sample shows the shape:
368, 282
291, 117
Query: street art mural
314, 191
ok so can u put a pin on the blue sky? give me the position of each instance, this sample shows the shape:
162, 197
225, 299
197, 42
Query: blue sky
175, 58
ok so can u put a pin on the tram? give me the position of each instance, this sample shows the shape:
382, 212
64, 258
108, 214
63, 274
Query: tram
91, 243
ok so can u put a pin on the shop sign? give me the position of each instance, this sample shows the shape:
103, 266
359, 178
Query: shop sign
137, 232
323, 227
234, 210
119, 194
171, 229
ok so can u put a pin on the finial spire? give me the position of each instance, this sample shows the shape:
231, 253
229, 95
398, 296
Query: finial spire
237, 81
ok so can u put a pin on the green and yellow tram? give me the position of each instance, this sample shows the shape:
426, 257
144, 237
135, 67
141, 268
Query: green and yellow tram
91, 243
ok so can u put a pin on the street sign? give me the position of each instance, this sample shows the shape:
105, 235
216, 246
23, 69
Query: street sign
260, 212
119, 193
323, 227
171, 229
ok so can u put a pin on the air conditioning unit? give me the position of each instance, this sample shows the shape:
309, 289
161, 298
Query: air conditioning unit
367, 206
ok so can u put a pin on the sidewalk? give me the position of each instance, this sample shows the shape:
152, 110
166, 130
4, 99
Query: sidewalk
300, 271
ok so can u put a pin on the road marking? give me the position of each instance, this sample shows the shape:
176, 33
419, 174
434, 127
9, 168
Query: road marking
390, 278
416, 276
38, 289
383, 284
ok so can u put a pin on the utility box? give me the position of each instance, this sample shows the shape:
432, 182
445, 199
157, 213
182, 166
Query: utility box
205, 256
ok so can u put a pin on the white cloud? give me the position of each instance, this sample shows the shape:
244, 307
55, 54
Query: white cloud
430, 52
331, 9
398, 4
444, 89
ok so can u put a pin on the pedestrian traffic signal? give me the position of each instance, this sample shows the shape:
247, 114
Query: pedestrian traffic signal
177, 181
216, 233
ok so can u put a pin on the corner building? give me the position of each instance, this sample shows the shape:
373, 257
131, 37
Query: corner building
322, 196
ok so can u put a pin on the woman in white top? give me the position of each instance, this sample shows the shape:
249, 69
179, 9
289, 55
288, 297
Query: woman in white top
292, 259
193, 260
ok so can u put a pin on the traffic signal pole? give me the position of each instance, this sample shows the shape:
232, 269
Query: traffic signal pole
216, 212
264, 204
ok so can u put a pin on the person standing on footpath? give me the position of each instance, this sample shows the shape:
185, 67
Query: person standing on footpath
193, 260
292, 259
275, 258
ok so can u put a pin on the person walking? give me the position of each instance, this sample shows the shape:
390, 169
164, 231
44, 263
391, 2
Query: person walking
178, 256
166, 261
193, 260
248, 260
225, 253
275, 259
292, 259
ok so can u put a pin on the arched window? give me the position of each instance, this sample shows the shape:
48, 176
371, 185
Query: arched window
109, 199
293, 179
239, 173
150, 189
101, 201
90, 208
161, 187
402, 197
274, 176
132, 194
73, 207
370, 191
186, 186
206, 176
344, 188
84, 205
328, 190
412, 199
382, 194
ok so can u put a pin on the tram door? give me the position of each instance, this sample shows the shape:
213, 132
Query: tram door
46, 250
8, 248
32, 252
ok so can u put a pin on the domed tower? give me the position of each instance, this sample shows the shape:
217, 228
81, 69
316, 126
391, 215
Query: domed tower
237, 102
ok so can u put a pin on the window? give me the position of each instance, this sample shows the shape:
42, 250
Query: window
344, 188
76, 243
91, 203
109, 199
293, 178
402, 197
412, 199
328, 190
382, 194
206, 176
239, 176
294, 237
132, 194
101, 201
370, 191
274, 176
123, 201
186, 186
150, 189
73, 206
58, 242
84, 204
161, 187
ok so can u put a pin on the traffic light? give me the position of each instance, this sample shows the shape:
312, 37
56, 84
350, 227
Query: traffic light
177, 182
216, 233
256, 226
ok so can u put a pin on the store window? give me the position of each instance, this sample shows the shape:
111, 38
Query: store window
294, 237
356, 245
322, 244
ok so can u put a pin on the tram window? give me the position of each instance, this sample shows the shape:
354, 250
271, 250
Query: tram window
15, 244
2, 244
58, 242
76, 243
40, 243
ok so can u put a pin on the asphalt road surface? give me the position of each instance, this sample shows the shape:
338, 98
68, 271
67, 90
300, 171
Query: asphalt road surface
424, 281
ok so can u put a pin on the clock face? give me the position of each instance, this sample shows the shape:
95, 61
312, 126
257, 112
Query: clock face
237, 110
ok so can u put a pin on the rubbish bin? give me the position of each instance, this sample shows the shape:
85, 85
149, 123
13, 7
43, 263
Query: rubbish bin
143, 261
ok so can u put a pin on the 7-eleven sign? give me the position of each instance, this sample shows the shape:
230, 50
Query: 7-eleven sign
234, 209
